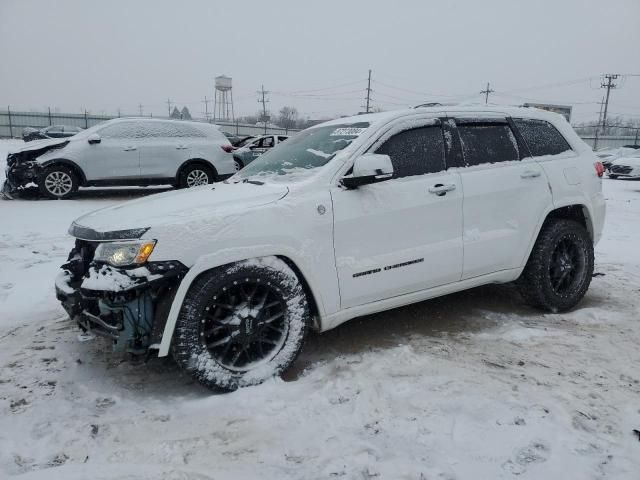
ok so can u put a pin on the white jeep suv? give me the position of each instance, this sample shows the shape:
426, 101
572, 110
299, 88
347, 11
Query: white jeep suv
347, 218
126, 151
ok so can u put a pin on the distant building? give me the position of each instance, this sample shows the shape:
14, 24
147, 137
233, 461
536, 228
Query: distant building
564, 110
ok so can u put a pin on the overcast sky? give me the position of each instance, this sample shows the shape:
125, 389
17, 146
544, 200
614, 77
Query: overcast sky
104, 55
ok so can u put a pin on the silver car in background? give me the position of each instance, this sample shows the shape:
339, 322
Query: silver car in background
121, 152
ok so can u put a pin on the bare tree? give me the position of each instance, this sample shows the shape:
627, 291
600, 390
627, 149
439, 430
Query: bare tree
288, 117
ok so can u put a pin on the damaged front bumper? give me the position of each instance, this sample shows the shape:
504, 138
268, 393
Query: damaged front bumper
20, 176
128, 306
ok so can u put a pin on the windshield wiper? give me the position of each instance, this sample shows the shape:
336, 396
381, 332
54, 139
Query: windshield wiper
254, 182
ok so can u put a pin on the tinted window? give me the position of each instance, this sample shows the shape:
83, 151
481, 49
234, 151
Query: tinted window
487, 143
118, 130
177, 130
267, 142
542, 138
415, 152
282, 139
145, 129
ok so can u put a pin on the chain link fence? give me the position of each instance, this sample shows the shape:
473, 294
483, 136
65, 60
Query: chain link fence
12, 123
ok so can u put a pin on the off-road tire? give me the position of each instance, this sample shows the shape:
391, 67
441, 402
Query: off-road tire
183, 180
194, 327
536, 284
66, 176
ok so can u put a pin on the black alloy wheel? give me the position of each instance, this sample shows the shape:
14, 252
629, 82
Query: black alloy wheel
244, 324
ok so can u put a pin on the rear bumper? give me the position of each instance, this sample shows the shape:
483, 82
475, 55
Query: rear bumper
599, 209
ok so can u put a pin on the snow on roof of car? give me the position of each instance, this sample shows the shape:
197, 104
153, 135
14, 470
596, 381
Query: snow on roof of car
385, 117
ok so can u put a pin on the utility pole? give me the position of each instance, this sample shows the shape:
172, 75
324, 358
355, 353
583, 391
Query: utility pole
368, 105
169, 106
263, 92
595, 142
600, 114
206, 108
140, 108
608, 84
486, 93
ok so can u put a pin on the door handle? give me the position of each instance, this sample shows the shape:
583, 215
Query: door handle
181, 147
130, 149
530, 174
440, 189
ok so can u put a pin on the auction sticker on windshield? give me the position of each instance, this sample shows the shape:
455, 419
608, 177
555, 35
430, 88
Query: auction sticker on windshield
347, 132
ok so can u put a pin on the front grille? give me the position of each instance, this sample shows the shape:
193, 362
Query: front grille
621, 169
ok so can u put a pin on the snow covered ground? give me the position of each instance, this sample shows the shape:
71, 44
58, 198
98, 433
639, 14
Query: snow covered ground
469, 386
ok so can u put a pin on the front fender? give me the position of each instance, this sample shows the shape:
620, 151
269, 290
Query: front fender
69, 163
326, 299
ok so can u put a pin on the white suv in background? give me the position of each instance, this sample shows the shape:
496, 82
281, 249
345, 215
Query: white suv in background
127, 151
345, 219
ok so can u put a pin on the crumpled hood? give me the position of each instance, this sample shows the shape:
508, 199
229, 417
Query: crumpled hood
629, 161
39, 144
182, 206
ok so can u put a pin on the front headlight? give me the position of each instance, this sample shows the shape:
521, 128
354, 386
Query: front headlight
123, 254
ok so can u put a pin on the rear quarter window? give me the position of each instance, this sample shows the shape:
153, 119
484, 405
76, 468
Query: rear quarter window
541, 137
485, 142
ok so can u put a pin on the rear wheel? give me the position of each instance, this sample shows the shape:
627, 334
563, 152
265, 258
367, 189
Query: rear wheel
242, 324
58, 182
237, 163
560, 267
195, 175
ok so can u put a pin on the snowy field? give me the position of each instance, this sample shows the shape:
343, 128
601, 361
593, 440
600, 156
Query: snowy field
469, 386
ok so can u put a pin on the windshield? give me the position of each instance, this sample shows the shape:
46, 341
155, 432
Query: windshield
309, 149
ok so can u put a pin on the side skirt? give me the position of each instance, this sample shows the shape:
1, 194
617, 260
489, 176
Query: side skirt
333, 320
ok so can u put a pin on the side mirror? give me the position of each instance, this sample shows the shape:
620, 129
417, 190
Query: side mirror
94, 138
369, 168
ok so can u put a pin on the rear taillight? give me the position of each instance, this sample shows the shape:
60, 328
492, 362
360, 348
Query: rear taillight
227, 148
599, 169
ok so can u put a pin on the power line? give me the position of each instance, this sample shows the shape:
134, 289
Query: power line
552, 85
519, 97
421, 94
314, 95
329, 88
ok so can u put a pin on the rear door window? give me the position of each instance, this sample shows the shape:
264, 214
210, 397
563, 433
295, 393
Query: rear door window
118, 130
487, 142
541, 137
415, 152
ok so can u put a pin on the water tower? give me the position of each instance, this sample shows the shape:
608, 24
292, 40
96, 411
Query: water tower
223, 100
